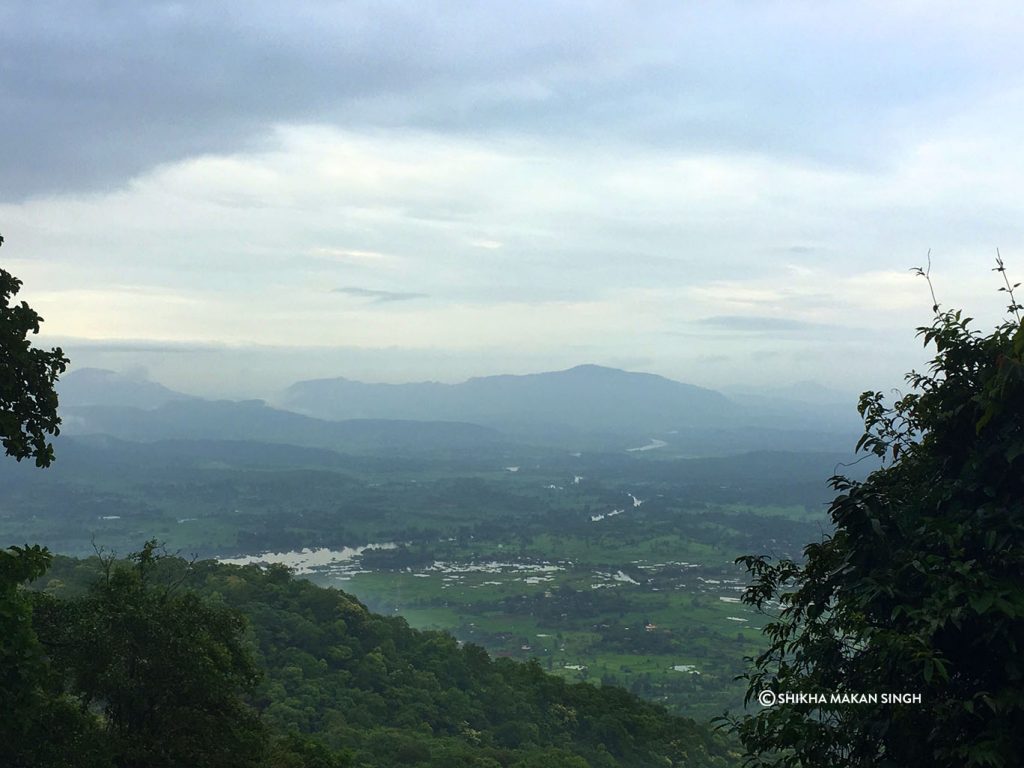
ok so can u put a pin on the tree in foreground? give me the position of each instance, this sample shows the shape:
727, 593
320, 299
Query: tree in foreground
38, 726
167, 669
920, 588
28, 400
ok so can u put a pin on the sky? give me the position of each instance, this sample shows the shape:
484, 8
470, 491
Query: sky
229, 197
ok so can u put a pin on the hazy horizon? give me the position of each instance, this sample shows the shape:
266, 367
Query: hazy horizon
806, 390
229, 198
254, 373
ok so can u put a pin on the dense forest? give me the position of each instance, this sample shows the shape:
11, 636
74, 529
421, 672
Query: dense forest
165, 660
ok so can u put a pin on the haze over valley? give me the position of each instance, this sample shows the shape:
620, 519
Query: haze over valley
587, 517
510, 385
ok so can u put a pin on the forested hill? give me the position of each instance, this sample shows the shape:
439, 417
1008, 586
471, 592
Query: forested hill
374, 692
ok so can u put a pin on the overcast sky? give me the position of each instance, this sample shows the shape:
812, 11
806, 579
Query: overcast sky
228, 197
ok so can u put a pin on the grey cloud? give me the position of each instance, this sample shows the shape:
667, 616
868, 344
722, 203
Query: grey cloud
94, 93
378, 297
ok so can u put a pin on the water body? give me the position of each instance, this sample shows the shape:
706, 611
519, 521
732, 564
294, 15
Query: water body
308, 560
652, 445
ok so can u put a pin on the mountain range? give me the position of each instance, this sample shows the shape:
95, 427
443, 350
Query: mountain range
585, 405
587, 398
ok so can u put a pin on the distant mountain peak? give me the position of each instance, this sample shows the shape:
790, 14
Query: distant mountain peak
101, 386
586, 398
594, 368
91, 373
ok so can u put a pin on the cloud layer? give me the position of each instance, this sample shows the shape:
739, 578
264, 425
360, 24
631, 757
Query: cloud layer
685, 188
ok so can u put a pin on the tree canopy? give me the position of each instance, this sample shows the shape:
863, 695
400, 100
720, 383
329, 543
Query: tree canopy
918, 589
166, 668
28, 400
37, 727
339, 685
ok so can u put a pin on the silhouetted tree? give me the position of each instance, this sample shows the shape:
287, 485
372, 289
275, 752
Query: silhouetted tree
919, 589
28, 401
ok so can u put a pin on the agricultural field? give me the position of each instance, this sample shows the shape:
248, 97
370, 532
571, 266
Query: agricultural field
644, 595
611, 568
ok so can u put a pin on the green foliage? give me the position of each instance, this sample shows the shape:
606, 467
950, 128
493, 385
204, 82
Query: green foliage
296, 750
39, 727
343, 686
393, 695
918, 589
28, 402
166, 668
21, 658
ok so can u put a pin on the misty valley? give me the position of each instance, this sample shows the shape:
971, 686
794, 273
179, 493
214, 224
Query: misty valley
606, 554
511, 385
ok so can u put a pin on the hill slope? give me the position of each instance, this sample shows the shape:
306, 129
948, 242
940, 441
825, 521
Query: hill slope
97, 386
255, 420
381, 694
